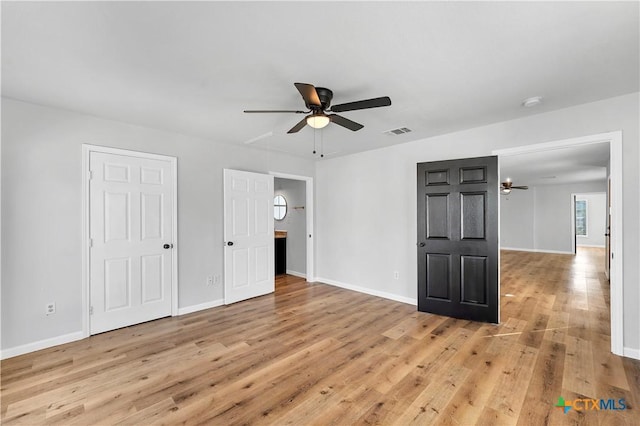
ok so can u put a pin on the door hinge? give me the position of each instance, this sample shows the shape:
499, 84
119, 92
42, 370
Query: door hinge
612, 255
90, 175
90, 310
90, 242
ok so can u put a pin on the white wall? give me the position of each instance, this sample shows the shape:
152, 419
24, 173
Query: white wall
516, 220
42, 211
295, 223
553, 215
596, 219
366, 203
539, 219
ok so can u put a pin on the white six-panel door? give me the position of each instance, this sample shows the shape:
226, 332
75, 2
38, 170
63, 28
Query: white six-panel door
131, 219
248, 235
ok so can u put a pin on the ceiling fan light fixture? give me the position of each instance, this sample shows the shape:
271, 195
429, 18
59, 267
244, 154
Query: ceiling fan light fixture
505, 191
317, 121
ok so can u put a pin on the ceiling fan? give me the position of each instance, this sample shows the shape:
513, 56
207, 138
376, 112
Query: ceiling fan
507, 186
318, 102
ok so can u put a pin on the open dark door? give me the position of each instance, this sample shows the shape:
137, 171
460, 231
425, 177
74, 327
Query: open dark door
458, 238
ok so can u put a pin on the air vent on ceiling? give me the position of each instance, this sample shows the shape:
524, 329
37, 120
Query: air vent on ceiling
398, 131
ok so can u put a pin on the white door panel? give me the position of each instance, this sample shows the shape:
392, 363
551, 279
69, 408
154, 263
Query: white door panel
248, 235
130, 209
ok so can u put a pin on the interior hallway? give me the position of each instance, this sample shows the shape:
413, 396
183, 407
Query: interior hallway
317, 354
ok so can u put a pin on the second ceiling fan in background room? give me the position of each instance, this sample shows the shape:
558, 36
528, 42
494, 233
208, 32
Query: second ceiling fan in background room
318, 102
507, 186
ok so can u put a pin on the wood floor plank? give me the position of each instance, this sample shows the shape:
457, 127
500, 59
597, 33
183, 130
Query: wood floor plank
331, 406
401, 359
632, 370
607, 367
322, 355
467, 404
557, 327
545, 385
151, 415
394, 403
578, 374
433, 400
509, 394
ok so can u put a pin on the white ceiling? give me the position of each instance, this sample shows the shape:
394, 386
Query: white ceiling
558, 166
193, 67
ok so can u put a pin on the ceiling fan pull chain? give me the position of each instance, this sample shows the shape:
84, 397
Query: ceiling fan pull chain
314, 140
321, 145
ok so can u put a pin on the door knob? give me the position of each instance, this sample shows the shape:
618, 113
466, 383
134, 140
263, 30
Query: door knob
167, 246
421, 245
230, 243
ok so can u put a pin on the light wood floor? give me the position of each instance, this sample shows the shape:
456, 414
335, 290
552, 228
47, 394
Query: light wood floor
317, 354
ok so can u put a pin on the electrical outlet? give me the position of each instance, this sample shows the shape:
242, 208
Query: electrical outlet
210, 280
396, 275
51, 308
216, 279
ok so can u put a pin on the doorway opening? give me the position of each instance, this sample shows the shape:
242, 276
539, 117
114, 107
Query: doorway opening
561, 234
295, 223
589, 220
290, 227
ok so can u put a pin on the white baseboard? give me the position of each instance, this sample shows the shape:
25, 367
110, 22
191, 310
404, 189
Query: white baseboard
536, 250
631, 353
41, 344
383, 294
79, 335
296, 274
591, 245
200, 307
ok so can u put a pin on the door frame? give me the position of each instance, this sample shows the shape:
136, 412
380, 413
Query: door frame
616, 273
608, 229
310, 272
574, 236
87, 149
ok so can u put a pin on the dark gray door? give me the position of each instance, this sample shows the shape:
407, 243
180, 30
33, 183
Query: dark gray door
458, 238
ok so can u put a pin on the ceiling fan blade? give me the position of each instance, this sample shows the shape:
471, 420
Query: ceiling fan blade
519, 187
367, 103
345, 122
309, 94
298, 126
253, 111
